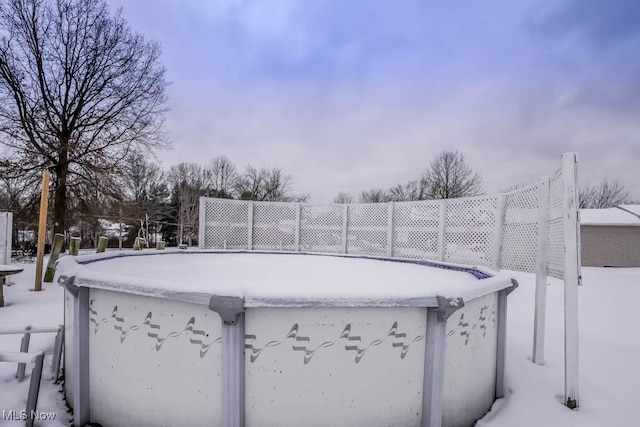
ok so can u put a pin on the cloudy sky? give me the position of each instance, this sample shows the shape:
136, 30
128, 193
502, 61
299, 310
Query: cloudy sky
351, 95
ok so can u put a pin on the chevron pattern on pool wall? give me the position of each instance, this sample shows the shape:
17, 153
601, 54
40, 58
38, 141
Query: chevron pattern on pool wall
301, 343
351, 343
485, 318
153, 329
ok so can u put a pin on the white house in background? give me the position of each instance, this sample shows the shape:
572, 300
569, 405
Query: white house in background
610, 237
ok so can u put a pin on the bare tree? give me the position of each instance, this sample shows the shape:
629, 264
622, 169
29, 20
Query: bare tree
270, 185
343, 198
449, 177
189, 182
145, 191
374, 196
299, 198
139, 176
90, 204
79, 91
276, 185
607, 194
223, 177
20, 196
16, 193
249, 184
413, 190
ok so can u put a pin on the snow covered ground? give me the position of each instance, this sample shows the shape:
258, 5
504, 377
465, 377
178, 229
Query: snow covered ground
610, 349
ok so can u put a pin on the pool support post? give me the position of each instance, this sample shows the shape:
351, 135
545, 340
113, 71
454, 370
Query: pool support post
231, 311
501, 353
81, 414
434, 359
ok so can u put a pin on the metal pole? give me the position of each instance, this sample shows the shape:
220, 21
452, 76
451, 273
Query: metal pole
24, 348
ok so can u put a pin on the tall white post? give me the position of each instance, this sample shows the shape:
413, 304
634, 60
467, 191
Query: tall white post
499, 230
442, 230
250, 225
541, 272
571, 278
390, 207
345, 230
202, 222
296, 235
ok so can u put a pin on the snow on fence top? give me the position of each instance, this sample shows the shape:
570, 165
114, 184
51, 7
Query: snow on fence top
501, 231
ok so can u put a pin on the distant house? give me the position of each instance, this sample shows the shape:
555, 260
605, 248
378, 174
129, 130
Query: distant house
610, 237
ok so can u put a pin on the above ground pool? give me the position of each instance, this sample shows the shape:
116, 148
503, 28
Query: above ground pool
211, 338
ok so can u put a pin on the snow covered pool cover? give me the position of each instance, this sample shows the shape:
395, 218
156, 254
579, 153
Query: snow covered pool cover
278, 279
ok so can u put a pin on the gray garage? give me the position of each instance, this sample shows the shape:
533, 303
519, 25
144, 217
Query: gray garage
610, 237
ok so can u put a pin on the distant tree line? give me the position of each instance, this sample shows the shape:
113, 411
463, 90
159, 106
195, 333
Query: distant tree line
448, 176
145, 193
606, 194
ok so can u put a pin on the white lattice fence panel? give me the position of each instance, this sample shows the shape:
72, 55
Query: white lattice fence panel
368, 229
6, 228
274, 226
470, 230
555, 248
520, 229
225, 224
321, 228
416, 227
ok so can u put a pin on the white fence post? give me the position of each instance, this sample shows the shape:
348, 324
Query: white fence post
571, 278
442, 229
499, 230
541, 272
296, 235
345, 222
250, 225
390, 207
202, 223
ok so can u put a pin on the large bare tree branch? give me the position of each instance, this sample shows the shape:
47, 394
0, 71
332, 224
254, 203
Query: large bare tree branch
79, 92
